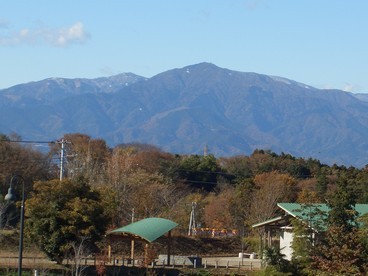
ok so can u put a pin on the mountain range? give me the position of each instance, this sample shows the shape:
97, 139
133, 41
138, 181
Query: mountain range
183, 110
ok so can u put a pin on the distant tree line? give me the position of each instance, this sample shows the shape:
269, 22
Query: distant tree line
102, 186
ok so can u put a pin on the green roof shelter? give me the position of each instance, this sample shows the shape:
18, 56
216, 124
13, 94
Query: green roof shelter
148, 230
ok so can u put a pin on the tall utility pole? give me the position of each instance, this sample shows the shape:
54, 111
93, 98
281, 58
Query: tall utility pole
132, 242
205, 150
192, 222
62, 157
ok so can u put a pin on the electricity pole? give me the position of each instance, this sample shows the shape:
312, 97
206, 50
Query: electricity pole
62, 157
192, 222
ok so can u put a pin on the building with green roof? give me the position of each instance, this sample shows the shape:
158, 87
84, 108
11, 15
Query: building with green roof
281, 226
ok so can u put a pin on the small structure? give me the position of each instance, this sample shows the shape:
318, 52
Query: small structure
194, 261
147, 230
281, 226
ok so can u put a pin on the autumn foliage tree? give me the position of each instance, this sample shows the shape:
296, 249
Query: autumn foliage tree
229, 191
217, 212
83, 156
136, 180
17, 158
271, 188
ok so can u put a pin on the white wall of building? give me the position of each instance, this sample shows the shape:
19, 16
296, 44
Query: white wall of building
286, 239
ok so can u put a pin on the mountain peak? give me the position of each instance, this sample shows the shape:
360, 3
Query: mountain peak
182, 109
203, 65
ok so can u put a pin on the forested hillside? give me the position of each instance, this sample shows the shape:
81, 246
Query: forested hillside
229, 193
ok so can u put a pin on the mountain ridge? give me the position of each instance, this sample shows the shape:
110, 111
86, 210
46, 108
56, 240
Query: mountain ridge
183, 109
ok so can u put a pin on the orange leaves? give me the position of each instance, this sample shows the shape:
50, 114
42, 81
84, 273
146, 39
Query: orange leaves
271, 188
218, 210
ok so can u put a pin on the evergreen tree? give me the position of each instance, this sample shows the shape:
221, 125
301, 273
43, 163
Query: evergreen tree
62, 212
342, 206
341, 252
307, 228
321, 185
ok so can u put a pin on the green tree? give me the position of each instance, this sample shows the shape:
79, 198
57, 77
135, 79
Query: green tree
301, 245
274, 258
361, 185
200, 172
322, 184
341, 251
62, 212
306, 228
237, 168
298, 169
342, 206
240, 206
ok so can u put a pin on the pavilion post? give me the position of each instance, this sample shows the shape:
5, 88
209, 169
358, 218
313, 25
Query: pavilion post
132, 251
169, 248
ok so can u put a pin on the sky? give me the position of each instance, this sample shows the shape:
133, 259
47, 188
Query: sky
321, 43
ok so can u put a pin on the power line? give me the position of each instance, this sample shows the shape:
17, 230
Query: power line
207, 172
30, 160
200, 182
28, 141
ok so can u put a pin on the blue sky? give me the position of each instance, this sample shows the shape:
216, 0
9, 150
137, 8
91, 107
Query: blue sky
321, 43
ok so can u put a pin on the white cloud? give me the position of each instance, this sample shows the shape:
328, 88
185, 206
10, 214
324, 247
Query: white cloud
61, 37
349, 87
73, 34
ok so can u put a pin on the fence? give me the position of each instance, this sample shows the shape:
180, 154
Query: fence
234, 264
